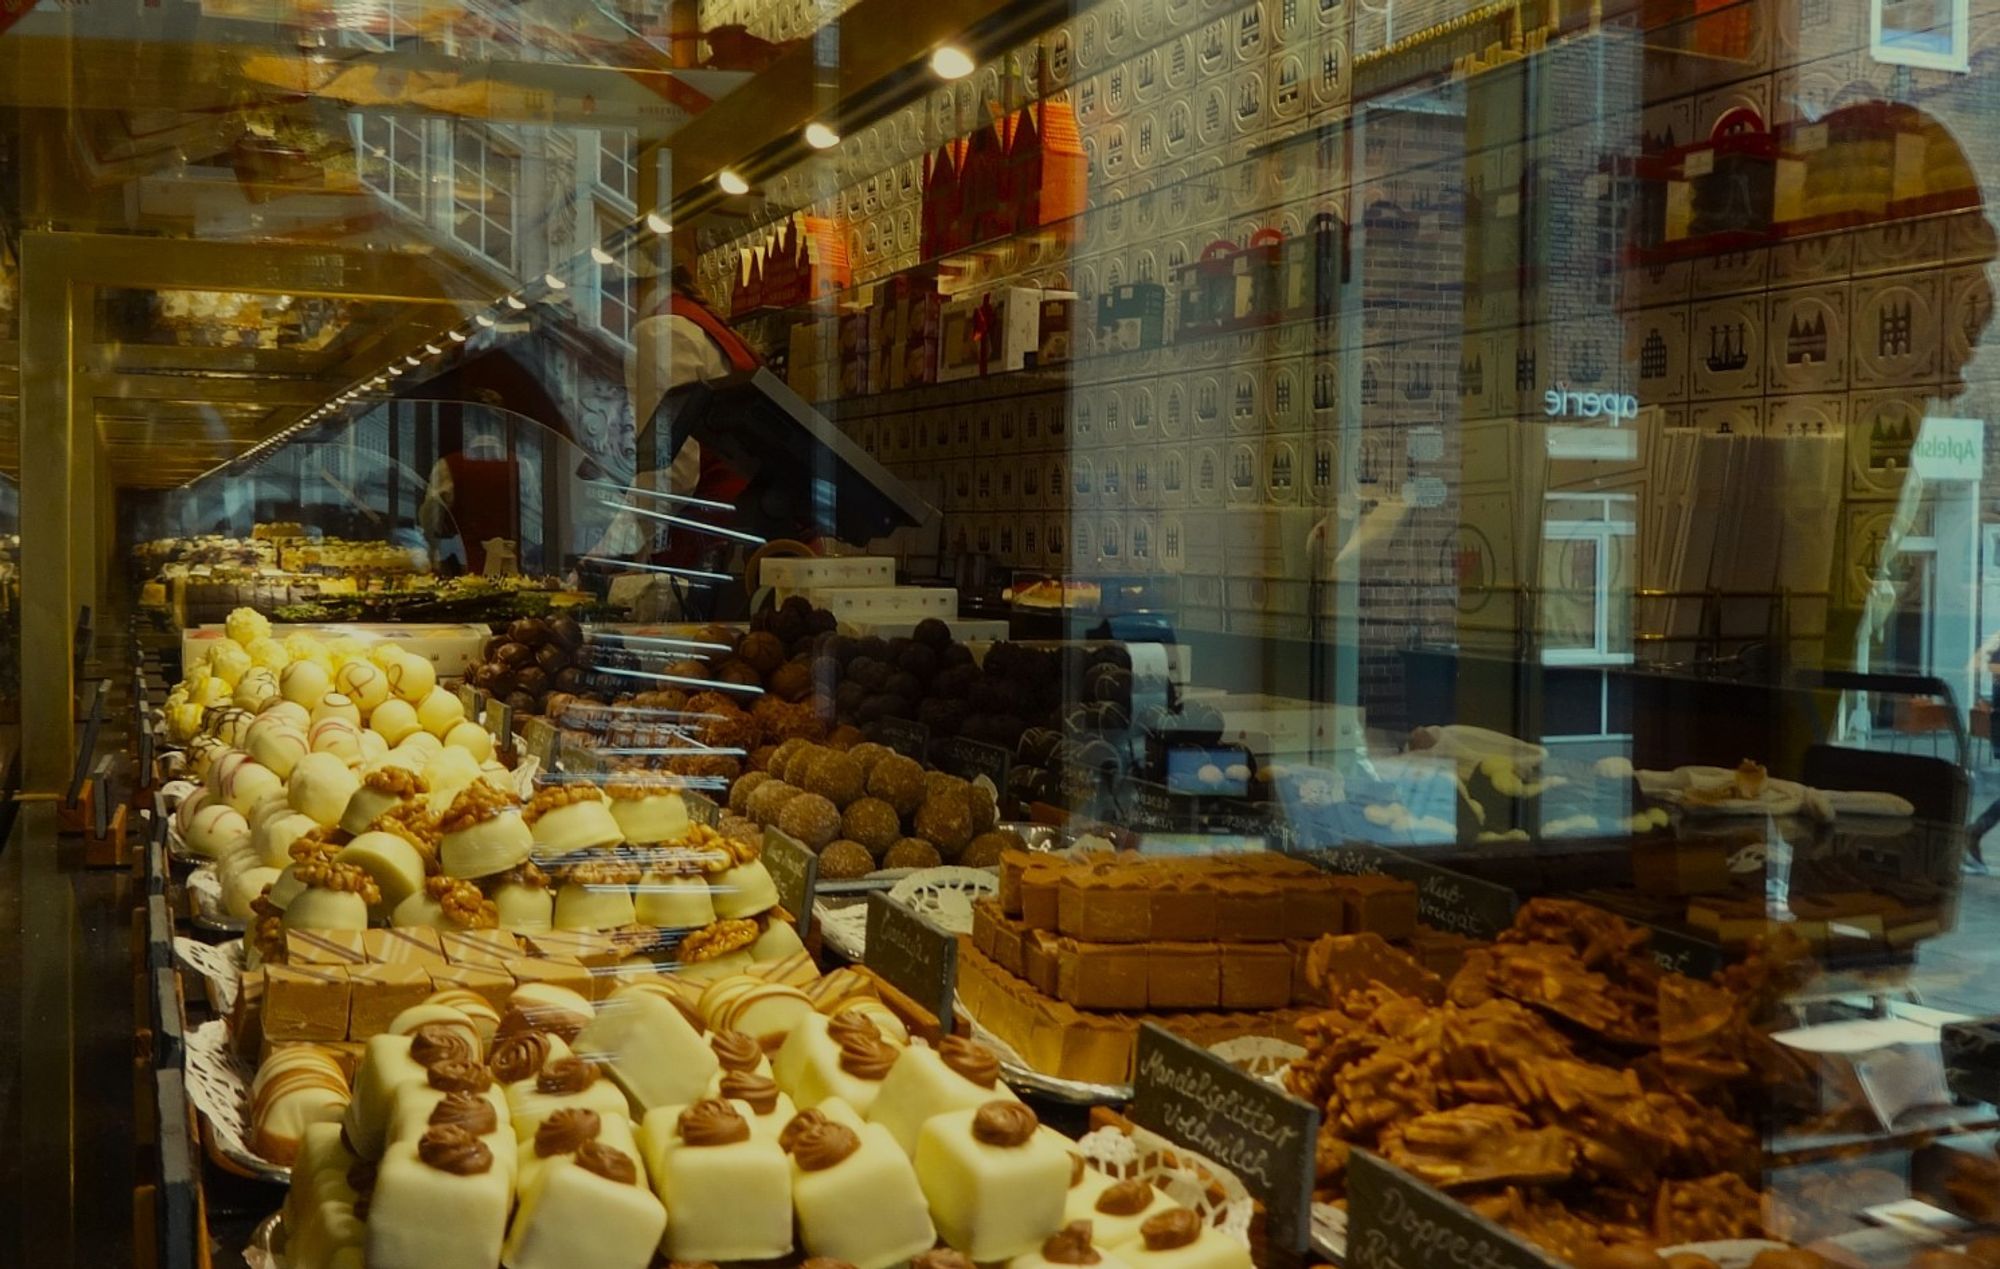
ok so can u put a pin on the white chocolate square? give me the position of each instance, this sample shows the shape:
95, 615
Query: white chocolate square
730, 1202
1209, 1250
653, 1052
613, 1130
660, 1134
1107, 1230
571, 1216
808, 1067
326, 1228
529, 1106
386, 1065
919, 1086
991, 1202
322, 1154
1036, 1260
867, 1209
809, 1037
410, 1113
424, 1218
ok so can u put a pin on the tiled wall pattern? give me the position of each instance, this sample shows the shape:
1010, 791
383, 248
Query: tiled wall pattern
1486, 219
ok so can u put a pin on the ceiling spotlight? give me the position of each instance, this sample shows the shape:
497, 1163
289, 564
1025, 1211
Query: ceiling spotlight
658, 223
951, 62
602, 256
457, 336
412, 360
395, 371
731, 183
821, 137
434, 350
485, 321
516, 303
554, 283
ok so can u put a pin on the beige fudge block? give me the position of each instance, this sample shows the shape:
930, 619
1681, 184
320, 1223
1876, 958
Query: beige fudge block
305, 1002
377, 993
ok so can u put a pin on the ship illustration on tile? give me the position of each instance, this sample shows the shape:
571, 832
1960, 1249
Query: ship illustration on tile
1805, 340
1726, 347
1207, 408
1211, 43
1173, 541
1287, 90
1246, 401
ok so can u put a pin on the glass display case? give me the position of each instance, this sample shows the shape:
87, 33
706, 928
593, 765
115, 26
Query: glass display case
1308, 631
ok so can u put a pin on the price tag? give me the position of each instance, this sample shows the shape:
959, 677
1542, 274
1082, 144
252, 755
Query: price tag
1255, 1129
499, 720
1445, 899
1395, 1221
973, 758
473, 700
539, 734
913, 954
1080, 783
1679, 953
1971, 1053
1248, 819
795, 870
701, 809
909, 738
1153, 808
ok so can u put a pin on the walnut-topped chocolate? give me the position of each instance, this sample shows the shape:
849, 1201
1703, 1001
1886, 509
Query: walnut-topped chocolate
553, 797
478, 803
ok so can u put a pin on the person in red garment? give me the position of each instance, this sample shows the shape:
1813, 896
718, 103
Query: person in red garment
478, 493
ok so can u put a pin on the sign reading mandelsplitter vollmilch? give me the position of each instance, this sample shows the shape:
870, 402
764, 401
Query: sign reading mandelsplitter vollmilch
1395, 1221
1258, 1131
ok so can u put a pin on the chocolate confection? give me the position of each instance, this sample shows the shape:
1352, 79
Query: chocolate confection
306, 1002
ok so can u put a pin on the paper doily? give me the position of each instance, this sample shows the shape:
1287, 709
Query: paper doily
204, 898
218, 1083
945, 895
220, 966
1194, 1181
1263, 1056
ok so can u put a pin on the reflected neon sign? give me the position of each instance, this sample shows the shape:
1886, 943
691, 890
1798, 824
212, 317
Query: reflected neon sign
1560, 404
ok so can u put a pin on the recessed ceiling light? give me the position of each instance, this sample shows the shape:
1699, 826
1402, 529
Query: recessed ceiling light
433, 350
821, 137
658, 224
554, 283
602, 256
484, 320
411, 360
457, 336
731, 183
951, 62
516, 303
395, 371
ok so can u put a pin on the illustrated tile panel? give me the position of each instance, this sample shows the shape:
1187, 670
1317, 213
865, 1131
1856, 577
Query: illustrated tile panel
1968, 324
1899, 246
1710, 108
1741, 417
1730, 272
1807, 344
1659, 283
1726, 347
1895, 331
1821, 257
1864, 537
1882, 426
1809, 414
1475, 378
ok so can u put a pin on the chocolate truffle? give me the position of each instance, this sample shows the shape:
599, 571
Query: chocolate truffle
899, 781
834, 776
984, 851
868, 753
811, 818
873, 823
910, 852
770, 798
845, 860
945, 819
739, 793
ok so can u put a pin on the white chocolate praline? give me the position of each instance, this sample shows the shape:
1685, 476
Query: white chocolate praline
242, 889
250, 783
304, 683
279, 748
650, 1048
337, 705
1112, 1229
923, 1083
778, 940
374, 747
726, 1202
593, 907
364, 806
285, 887
1211, 1249
768, 1012
524, 908
421, 1217
411, 677
216, 829
673, 901
422, 742
257, 688
320, 787
573, 1216
583, 825
743, 891
363, 683
991, 1201
529, 1105
271, 841
660, 817
386, 1065
329, 1236
615, 1131
395, 865
491, 845
315, 908
472, 738
440, 710
322, 1156
421, 910
411, 1106
448, 772
282, 713
296, 1087
867, 1209
338, 737
229, 662
393, 720
473, 1028
272, 806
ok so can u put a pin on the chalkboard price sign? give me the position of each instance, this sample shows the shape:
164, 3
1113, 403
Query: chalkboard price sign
1446, 899
539, 734
907, 737
499, 720
795, 870
702, 810
973, 758
1684, 954
1152, 808
472, 701
1081, 783
1258, 1131
915, 955
1395, 1221
1971, 1055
